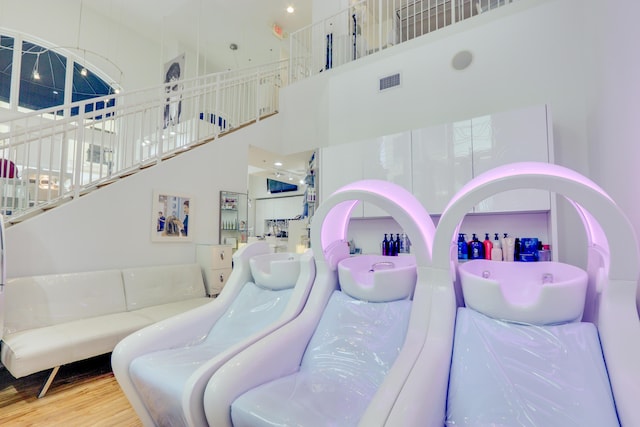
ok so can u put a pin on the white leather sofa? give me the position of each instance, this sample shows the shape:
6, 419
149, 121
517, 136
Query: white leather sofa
52, 320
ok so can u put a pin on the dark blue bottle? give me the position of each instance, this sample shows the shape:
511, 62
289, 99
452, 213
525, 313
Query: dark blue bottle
396, 245
476, 248
463, 249
385, 245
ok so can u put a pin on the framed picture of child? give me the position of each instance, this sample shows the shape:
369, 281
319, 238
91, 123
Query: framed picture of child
170, 222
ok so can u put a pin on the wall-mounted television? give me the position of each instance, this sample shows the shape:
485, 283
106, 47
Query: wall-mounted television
274, 186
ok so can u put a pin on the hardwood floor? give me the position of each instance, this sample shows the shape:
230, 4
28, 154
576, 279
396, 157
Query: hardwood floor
83, 394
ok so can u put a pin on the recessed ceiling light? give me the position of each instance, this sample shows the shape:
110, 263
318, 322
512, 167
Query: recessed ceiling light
290, 9
277, 164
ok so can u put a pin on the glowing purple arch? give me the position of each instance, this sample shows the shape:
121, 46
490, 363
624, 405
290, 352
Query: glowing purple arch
605, 224
331, 220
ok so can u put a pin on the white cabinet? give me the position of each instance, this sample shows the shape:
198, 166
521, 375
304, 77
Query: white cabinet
514, 136
435, 162
387, 158
445, 157
216, 264
340, 165
442, 158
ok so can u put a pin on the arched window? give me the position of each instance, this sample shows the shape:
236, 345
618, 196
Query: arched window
43, 73
42, 77
6, 66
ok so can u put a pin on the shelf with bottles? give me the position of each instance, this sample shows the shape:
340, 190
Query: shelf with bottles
367, 233
523, 237
231, 225
502, 248
228, 203
233, 217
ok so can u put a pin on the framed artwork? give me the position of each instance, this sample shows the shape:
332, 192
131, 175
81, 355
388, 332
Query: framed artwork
173, 76
170, 219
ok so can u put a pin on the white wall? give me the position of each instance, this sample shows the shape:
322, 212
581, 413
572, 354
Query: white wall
138, 57
613, 115
138, 54
111, 227
530, 53
517, 62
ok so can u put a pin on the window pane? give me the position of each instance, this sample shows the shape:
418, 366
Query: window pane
6, 65
47, 90
89, 86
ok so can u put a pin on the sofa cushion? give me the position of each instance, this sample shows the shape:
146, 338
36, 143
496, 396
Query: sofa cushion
163, 311
29, 351
157, 285
39, 301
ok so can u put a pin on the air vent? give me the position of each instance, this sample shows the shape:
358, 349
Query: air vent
389, 81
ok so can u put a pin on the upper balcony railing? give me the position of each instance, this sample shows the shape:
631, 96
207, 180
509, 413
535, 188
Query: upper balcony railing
369, 26
60, 153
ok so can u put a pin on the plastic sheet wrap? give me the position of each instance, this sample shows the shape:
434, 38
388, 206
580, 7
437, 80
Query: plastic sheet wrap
160, 376
350, 353
514, 374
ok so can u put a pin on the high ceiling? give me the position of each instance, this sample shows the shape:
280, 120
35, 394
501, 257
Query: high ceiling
291, 167
211, 26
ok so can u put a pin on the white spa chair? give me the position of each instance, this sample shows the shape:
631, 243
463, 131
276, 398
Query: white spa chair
343, 361
164, 368
532, 351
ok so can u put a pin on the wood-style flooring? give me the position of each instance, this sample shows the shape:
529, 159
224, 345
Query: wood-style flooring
83, 394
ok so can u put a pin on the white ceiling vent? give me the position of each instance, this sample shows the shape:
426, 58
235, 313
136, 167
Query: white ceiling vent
389, 81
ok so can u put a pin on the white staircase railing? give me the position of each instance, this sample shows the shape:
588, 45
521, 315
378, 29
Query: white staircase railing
61, 153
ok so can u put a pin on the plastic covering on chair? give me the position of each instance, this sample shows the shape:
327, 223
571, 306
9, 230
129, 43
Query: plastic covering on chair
544, 344
345, 358
163, 369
